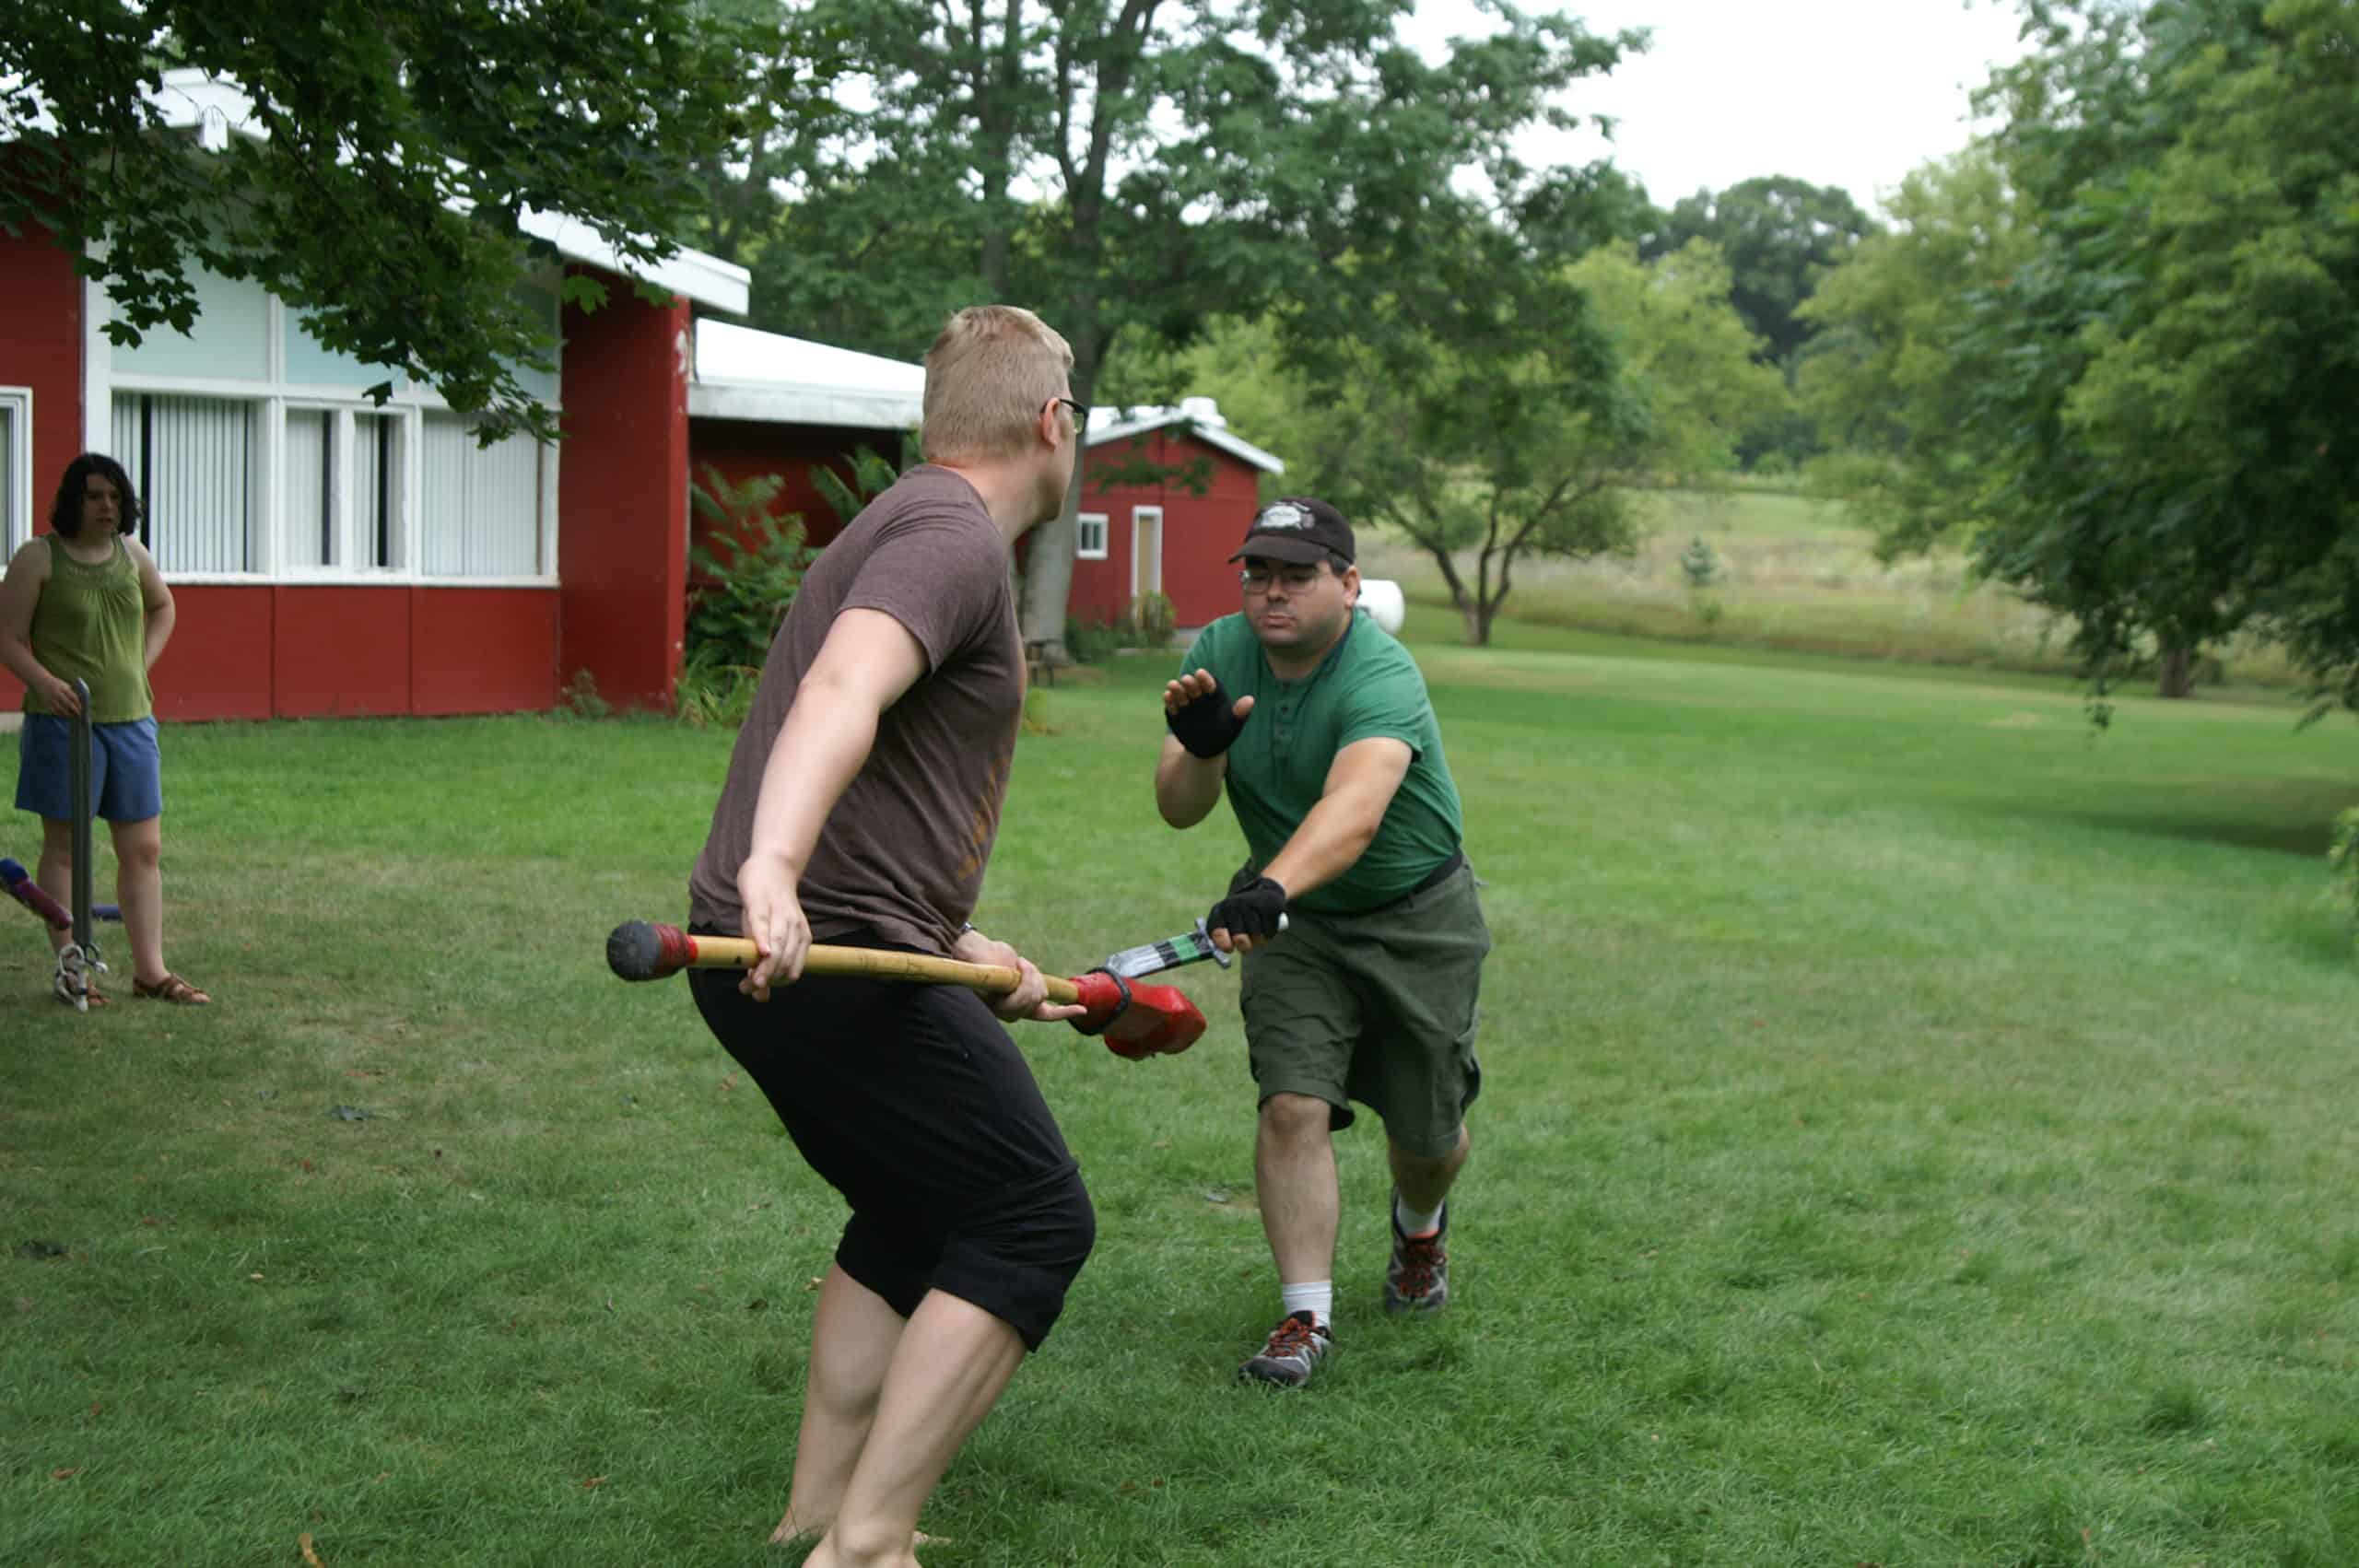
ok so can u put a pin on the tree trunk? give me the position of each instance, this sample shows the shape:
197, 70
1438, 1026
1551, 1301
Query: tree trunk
1456, 584
2177, 677
1047, 559
998, 83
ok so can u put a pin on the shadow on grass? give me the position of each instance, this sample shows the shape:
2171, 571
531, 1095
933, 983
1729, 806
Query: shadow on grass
2290, 818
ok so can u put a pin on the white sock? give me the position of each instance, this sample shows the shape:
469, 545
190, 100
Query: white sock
1412, 1223
1318, 1299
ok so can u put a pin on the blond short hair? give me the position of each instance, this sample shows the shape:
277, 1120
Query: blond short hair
987, 377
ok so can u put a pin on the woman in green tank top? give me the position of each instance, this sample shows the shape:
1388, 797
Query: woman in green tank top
86, 602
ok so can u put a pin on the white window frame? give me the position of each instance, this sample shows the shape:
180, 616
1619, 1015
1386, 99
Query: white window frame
16, 505
273, 398
1080, 550
363, 545
338, 483
1139, 583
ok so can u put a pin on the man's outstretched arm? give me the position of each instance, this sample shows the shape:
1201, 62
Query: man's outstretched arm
1359, 789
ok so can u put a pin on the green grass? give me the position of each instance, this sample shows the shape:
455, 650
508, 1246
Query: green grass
1915, 1131
1797, 576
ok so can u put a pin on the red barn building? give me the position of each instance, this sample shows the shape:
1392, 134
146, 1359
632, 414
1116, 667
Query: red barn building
1166, 495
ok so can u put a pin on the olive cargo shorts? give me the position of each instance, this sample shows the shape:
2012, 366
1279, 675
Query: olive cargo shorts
1379, 1007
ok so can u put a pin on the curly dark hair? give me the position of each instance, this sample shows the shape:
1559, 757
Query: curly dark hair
65, 512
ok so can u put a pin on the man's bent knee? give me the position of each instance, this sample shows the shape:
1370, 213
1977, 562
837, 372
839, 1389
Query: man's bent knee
1290, 1116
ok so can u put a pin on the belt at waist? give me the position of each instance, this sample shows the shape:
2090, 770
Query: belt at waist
1431, 880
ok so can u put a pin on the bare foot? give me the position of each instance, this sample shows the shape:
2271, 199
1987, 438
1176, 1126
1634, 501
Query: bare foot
790, 1532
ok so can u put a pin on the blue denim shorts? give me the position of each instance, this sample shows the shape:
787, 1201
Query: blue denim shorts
126, 772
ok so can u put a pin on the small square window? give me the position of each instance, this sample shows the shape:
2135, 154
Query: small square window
1089, 540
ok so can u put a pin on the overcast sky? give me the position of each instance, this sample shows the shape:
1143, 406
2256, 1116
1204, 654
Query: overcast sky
1854, 93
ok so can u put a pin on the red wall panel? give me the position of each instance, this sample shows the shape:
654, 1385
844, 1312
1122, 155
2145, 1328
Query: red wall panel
483, 649
41, 348
744, 450
220, 661
623, 496
1200, 532
296, 652
339, 652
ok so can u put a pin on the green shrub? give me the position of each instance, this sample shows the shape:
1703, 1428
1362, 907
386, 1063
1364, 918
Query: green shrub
1700, 562
581, 699
745, 578
744, 581
1147, 623
1152, 618
1088, 642
2343, 856
716, 696
871, 477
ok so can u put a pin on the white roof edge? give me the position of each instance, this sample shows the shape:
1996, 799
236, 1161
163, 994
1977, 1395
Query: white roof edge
746, 373
767, 404
708, 280
1210, 435
216, 108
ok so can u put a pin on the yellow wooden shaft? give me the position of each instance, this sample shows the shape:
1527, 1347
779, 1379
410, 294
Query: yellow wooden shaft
993, 979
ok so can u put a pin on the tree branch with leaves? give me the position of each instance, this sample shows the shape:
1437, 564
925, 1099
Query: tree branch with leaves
375, 173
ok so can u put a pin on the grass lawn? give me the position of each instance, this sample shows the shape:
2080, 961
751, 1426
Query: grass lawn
1916, 1130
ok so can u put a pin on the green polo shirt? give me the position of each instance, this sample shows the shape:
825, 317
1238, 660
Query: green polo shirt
1367, 685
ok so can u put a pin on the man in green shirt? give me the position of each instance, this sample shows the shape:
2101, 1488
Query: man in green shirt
1357, 906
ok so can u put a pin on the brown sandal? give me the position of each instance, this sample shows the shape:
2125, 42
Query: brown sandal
172, 988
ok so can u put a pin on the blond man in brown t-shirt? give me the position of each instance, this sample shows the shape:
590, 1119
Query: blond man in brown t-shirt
861, 807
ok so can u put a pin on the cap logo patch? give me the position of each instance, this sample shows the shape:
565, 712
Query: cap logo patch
1285, 514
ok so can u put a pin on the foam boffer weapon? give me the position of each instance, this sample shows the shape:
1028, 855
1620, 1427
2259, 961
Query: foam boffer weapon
1137, 1021
20, 885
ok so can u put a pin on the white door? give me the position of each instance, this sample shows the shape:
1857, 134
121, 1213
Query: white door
1147, 550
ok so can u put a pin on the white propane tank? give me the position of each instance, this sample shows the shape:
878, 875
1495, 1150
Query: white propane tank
1380, 597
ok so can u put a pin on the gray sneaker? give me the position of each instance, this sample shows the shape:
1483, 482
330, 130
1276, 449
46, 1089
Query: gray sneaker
1294, 1347
1418, 1279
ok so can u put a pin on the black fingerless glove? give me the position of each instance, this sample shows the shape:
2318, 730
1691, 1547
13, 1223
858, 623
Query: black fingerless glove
1252, 911
1207, 725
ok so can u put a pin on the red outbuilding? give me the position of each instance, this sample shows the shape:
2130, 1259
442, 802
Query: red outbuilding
1166, 496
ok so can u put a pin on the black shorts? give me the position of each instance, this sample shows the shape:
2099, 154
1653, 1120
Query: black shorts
912, 1101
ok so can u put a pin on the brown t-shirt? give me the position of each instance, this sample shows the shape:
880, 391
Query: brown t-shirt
902, 854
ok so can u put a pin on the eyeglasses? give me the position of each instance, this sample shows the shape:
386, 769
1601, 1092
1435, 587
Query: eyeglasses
1080, 412
1297, 579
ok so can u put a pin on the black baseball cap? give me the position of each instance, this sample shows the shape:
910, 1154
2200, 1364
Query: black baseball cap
1298, 529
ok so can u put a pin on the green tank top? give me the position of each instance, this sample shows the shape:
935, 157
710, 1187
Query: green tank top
90, 624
